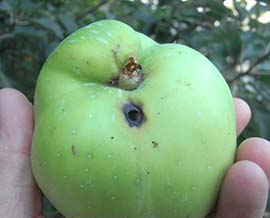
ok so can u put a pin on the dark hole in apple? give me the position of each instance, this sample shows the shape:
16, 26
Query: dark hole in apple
133, 114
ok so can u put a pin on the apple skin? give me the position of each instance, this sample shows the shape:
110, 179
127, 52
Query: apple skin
90, 163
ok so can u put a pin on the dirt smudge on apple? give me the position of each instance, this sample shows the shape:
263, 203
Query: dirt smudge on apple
73, 149
155, 144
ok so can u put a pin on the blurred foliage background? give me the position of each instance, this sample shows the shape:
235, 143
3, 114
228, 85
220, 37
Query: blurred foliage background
234, 34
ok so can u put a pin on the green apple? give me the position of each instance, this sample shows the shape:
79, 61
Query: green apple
126, 127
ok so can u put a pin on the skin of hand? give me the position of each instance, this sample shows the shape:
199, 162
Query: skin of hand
243, 193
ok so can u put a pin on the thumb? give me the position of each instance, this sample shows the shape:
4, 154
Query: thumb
19, 195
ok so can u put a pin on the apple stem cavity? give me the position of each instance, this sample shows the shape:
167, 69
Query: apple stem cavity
131, 76
133, 114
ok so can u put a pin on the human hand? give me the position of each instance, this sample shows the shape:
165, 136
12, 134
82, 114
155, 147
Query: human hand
243, 194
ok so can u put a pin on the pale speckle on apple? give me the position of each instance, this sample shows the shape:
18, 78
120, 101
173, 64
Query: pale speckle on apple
113, 198
88, 84
90, 116
209, 167
179, 163
89, 156
90, 183
199, 114
113, 118
109, 91
184, 198
114, 177
102, 40
120, 93
44, 162
109, 156
86, 169
109, 34
73, 40
94, 31
194, 188
132, 146
82, 37
58, 155
64, 176
74, 131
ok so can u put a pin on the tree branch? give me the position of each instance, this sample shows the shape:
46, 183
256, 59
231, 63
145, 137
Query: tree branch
92, 9
252, 66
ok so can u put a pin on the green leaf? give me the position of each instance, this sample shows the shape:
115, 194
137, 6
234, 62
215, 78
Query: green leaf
29, 31
50, 25
68, 22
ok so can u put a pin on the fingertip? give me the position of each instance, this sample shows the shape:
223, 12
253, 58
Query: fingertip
16, 121
13, 93
244, 191
243, 114
256, 150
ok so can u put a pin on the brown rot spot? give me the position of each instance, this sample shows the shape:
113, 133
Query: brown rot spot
188, 84
158, 113
112, 137
135, 148
155, 144
147, 172
163, 97
73, 149
178, 81
63, 109
87, 62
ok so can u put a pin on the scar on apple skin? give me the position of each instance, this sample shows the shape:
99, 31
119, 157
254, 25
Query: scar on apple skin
133, 114
73, 150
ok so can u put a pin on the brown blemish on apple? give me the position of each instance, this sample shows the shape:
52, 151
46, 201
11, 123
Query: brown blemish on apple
188, 84
113, 82
155, 144
112, 137
131, 67
74, 152
115, 51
